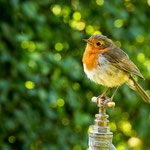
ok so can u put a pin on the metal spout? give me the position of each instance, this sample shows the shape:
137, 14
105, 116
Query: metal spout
100, 138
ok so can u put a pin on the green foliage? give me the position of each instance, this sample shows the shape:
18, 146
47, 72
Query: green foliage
44, 93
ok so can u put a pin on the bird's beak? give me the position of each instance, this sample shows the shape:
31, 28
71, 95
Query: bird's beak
86, 40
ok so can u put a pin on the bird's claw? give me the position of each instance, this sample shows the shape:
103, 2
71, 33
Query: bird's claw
107, 101
101, 100
103, 97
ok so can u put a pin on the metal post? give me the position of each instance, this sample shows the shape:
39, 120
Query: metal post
100, 138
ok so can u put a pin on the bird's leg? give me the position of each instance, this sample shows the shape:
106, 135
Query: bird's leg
104, 94
110, 99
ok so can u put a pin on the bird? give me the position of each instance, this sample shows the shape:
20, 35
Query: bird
106, 64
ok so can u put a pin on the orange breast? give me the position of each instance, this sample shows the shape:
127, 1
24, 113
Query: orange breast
90, 58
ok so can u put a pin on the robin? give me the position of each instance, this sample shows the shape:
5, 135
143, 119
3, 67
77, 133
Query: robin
108, 65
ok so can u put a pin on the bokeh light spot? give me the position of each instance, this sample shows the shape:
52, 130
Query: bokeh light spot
141, 57
118, 136
89, 29
56, 9
148, 67
76, 86
125, 127
97, 32
147, 64
73, 23
77, 16
117, 43
31, 63
100, 2
65, 121
77, 147
118, 23
66, 11
53, 105
118, 110
129, 6
134, 142
148, 2
66, 45
57, 57
29, 85
140, 39
12, 139
59, 46
121, 147
89, 94
80, 26
31, 46
24, 44
112, 126
60, 102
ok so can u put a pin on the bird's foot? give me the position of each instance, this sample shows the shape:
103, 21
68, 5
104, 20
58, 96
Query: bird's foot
100, 100
102, 96
103, 102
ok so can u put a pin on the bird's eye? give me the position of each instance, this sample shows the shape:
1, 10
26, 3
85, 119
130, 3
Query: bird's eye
98, 44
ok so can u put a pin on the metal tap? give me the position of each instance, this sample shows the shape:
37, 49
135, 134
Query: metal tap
100, 138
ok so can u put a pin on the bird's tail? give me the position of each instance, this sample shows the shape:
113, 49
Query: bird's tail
141, 91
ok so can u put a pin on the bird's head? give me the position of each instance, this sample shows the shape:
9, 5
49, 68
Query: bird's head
98, 42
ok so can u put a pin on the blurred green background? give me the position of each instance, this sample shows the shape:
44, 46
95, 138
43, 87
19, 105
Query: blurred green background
44, 93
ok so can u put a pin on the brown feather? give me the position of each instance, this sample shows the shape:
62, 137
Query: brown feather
121, 60
141, 91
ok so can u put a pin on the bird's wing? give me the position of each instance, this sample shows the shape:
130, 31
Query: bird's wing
120, 59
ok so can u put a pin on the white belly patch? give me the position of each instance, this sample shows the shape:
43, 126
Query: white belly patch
107, 74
